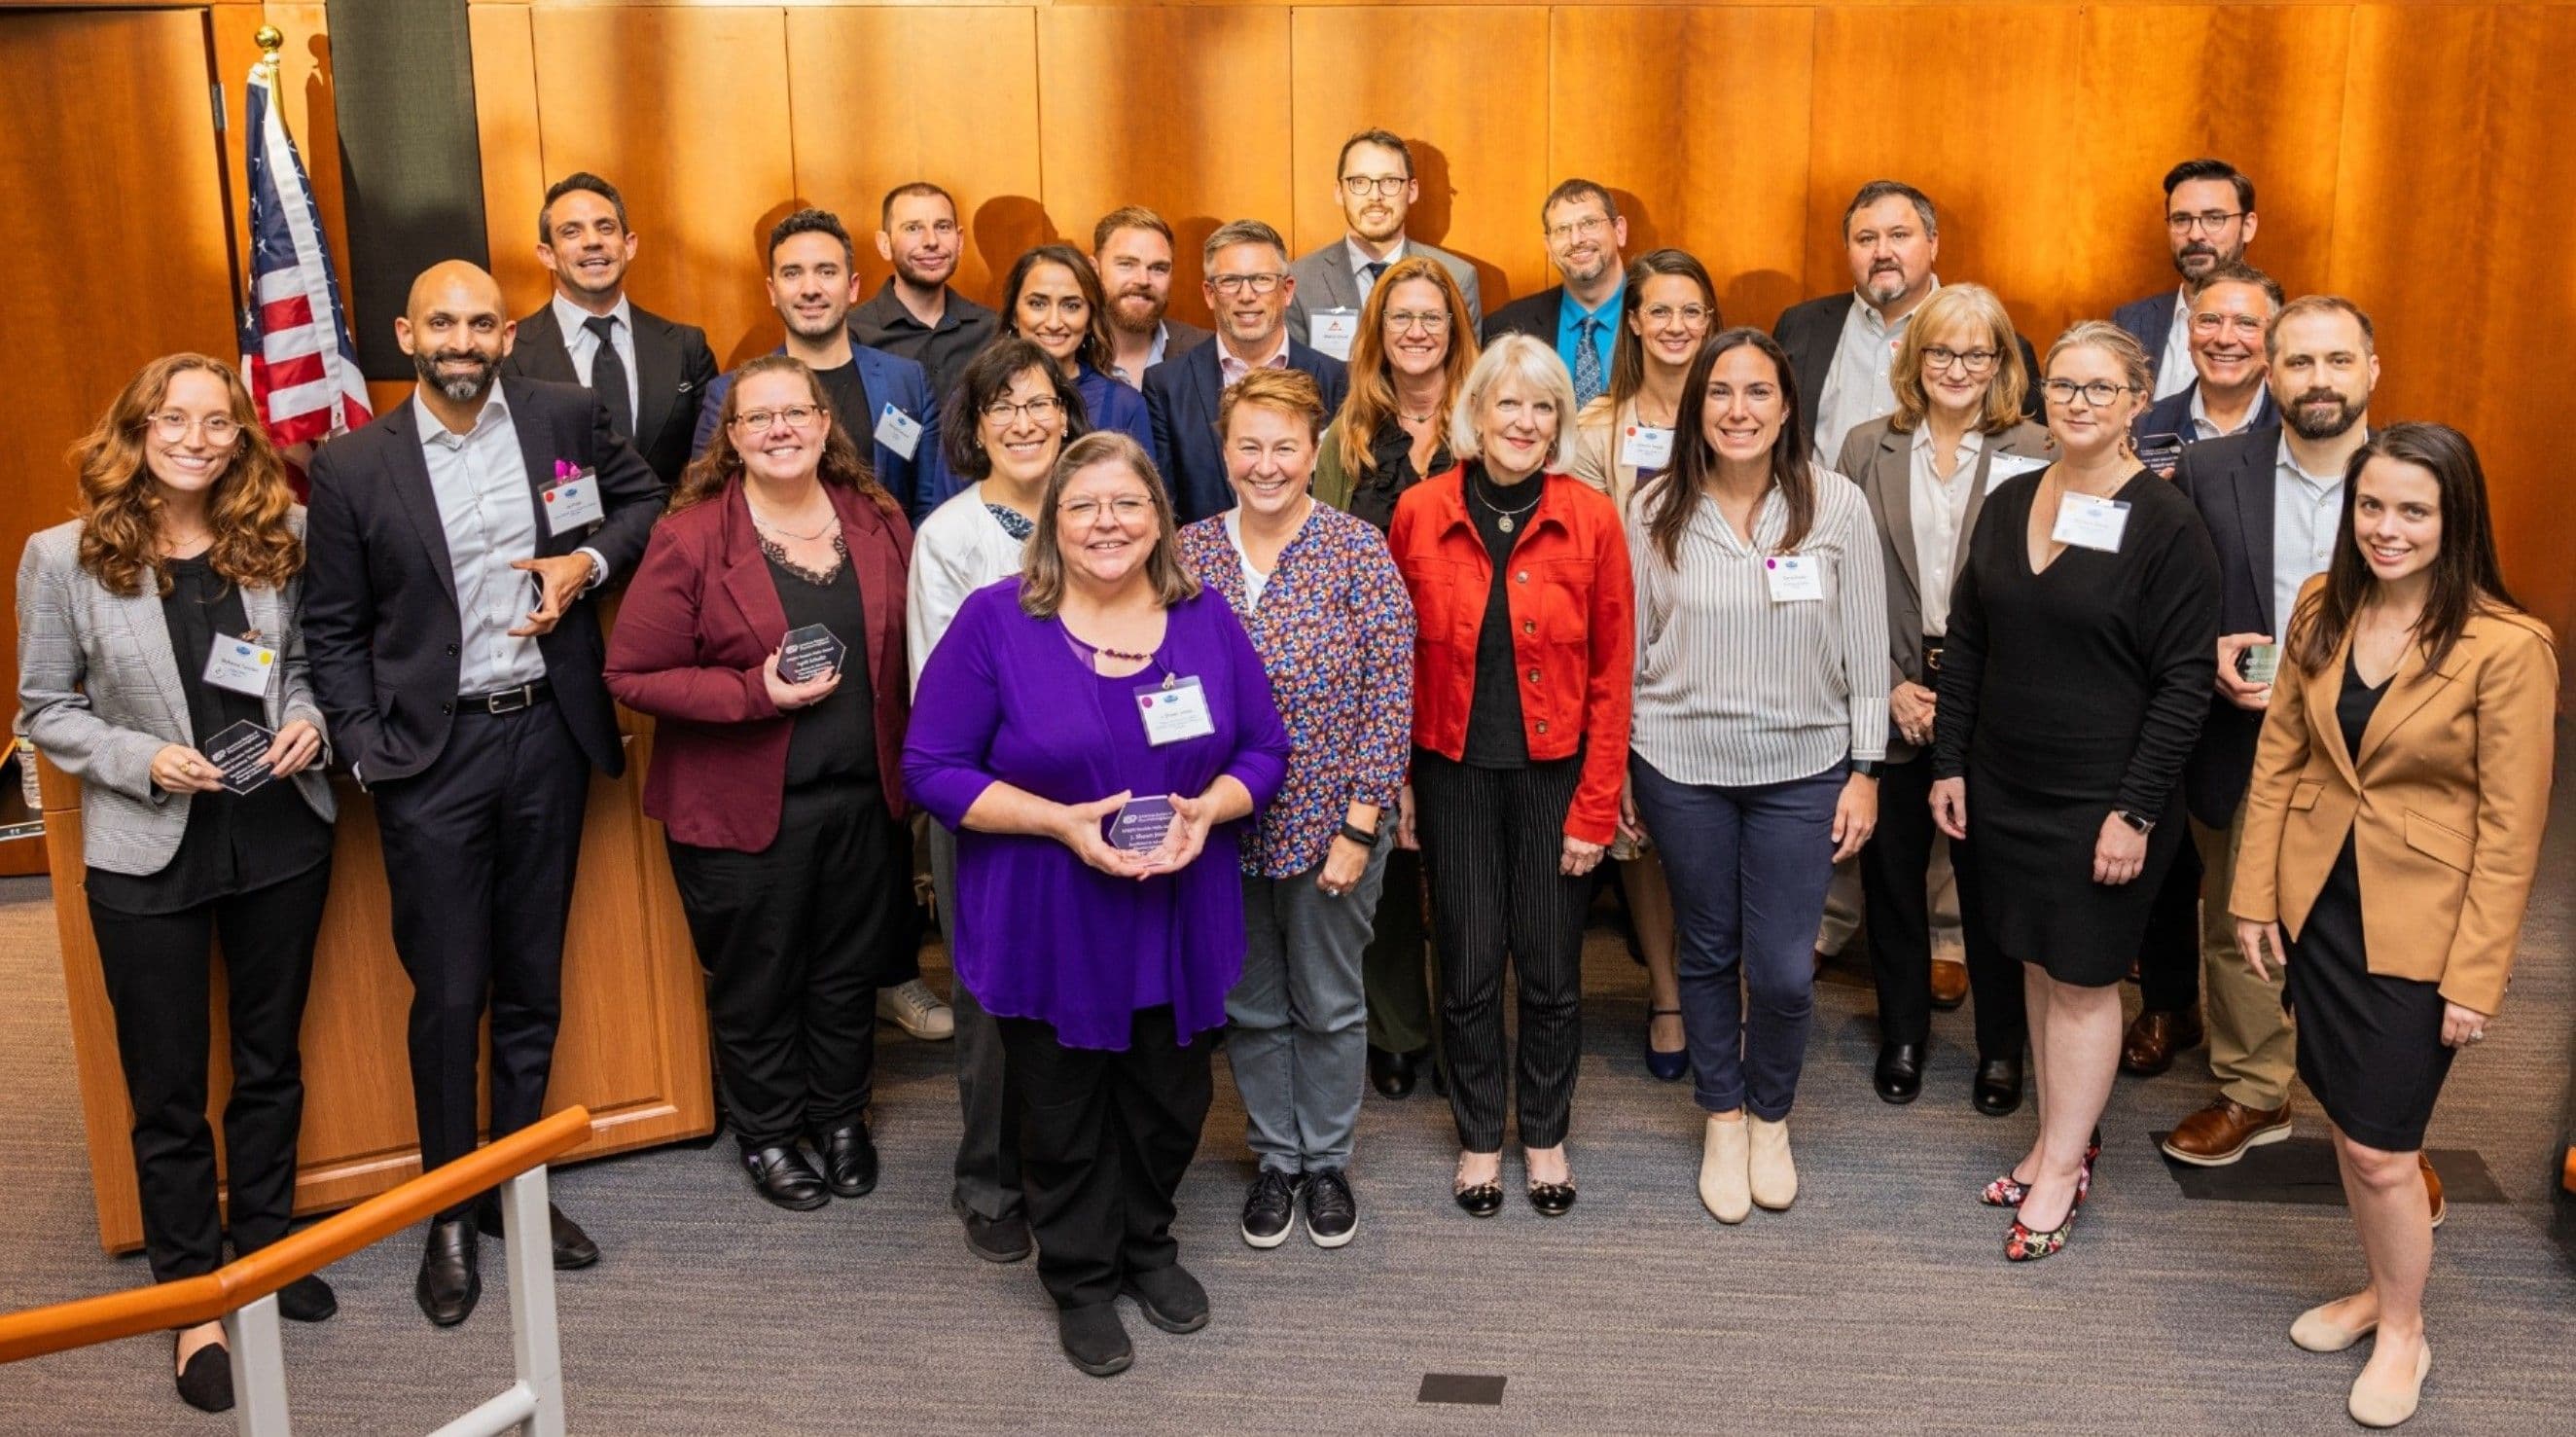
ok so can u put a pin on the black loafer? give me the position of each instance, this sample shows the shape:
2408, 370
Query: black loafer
1998, 1086
782, 1175
451, 1279
307, 1299
1169, 1297
572, 1247
1392, 1074
1899, 1078
206, 1383
1094, 1339
1552, 1199
849, 1160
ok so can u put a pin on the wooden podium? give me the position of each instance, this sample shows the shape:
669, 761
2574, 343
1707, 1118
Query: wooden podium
633, 1047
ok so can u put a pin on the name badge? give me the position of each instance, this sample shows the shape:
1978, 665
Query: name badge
242, 664
1333, 331
2090, 523
1141, 823
1647, 446
2009, 466
1794, 578
240, 754
898, 431
573, 503
810, 653
1174, 709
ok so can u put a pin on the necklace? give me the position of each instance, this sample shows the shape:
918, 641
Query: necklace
1409, 417
1503, 517
829, 523
1088, 646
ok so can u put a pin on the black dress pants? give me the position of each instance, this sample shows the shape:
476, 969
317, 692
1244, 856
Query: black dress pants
158, 971
793, 939
1894, 865
479, 855
2169, 954
1104, 1140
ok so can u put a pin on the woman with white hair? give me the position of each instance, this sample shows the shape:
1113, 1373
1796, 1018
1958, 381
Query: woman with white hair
1519, 578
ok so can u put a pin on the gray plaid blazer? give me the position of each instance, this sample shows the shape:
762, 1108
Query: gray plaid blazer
98, 692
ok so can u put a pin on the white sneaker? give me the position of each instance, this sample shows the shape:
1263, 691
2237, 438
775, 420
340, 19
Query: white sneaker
1774, 1176
918, 1010
1723, 1184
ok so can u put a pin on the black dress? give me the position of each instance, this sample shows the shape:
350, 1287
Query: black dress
2370, 1045
2068, 693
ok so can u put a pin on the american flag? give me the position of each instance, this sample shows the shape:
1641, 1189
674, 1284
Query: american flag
296, 352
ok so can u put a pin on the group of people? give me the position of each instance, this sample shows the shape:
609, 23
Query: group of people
1292, 684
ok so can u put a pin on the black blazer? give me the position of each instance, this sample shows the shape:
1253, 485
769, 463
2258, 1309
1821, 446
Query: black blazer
1180, 399
672, 368
1811, 329
2229, 480
2150, 322
1532, 314
380, 624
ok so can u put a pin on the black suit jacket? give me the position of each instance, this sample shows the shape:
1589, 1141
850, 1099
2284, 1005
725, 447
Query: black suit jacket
1181, 397
1532, 314
380, 623
673, 366
2230, 481
1811, 329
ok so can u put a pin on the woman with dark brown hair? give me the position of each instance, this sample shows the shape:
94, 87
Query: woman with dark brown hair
161, 662
764, 630
1053, 299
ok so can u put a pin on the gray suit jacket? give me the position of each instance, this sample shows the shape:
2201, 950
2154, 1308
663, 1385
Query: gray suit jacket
98, 692
1325, 281
1881, 462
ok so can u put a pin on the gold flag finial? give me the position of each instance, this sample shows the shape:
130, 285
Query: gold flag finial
270, 40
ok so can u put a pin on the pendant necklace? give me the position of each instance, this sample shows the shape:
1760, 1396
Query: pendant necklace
1503, 518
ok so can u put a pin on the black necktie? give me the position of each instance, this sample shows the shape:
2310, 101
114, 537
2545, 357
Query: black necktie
1369, 273
608, 375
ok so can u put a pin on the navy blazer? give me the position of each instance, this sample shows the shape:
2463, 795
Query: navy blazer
2172, 415
1811, 330
1180, 401
2150, 322
2230, 481
380, 624
921, 483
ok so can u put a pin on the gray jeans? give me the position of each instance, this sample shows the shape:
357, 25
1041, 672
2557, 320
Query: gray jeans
988, 1151
1299, 1045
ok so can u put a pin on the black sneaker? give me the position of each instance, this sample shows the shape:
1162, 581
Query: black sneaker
1332, 1218
1269, 1209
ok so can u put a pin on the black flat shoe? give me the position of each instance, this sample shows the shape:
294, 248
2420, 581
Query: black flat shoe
995, 1239
1482, 1200
1998, 1086
849, 1160
1899, 1078
1169, 1297
206, 1383
1391, 1073
1552, 1199
307, 1299
1094, 1339
451, 1278
782, 1175
573, 1248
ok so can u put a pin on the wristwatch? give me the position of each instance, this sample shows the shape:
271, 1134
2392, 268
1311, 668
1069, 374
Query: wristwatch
1865, 767
2142, 825
1361, 836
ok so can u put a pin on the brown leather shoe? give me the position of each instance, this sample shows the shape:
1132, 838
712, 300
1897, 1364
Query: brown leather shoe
2155, 1036
2433, 1189
2220, 1133
1949, 984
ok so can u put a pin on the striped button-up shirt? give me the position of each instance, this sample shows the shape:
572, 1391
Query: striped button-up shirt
1735, 688
490, 519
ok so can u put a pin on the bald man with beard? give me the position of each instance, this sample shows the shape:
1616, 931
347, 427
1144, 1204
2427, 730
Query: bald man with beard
453, 547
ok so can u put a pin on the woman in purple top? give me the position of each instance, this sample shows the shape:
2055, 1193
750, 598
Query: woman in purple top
1102, 674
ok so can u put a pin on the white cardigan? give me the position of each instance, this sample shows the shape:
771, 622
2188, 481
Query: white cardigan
960, 548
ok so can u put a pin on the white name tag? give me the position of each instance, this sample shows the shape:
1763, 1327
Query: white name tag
1794, 578
1646, 446
898, 431
242, 664
2090, 523
2008, 466
573, 503
1333, 330
1174, 710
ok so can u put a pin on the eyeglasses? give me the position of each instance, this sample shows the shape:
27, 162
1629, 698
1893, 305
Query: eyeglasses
2099, 393
1040, 409
1126, 509
2207, 221
1386, 186
2246, 326
1584, 228
1400, 320
170, 426
1236, 283
1693, 315
1939, 357
797, 416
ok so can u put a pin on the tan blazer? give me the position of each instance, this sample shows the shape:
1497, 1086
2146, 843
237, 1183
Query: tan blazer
2445, 803
1593, 456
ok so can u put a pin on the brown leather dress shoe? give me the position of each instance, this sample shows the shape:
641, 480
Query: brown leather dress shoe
1949, 984
2155, 1036
2220, 1133
2433, 1189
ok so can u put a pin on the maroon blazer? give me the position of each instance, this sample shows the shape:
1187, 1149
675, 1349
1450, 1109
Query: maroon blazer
698, 624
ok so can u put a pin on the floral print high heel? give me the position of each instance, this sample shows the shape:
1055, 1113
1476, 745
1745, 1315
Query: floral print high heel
2008, 1191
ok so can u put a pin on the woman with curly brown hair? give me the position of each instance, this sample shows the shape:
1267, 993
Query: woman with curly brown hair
161, 662
764, 631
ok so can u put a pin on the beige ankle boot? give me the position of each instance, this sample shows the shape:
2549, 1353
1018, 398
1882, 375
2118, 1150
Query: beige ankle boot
1774, 1177
1723, 1185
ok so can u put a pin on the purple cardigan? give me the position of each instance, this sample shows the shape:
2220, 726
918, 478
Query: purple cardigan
1006, 698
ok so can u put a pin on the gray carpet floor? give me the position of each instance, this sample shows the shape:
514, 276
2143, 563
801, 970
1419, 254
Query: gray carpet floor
1880, 1304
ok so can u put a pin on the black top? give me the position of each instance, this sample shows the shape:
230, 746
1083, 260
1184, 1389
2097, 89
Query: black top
851, 408
2355, 705
233, 844
1374, 493
1494, 735
837, 738
964, 327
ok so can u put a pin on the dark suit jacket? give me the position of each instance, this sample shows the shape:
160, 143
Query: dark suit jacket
380, 624
2230, 481
1180, 399
1532, 314
2172, 415
1810, 331
1180, 337
673, 367
921, 483
2150, 322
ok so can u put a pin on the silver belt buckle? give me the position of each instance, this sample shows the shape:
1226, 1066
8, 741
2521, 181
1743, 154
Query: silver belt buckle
510, 701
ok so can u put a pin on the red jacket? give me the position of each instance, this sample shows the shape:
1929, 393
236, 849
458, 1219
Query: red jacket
1574, 637
697, 627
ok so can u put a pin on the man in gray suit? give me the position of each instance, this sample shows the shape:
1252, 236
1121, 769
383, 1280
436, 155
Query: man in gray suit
1374, 184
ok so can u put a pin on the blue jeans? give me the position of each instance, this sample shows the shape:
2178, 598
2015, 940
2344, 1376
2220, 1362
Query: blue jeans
1748, 868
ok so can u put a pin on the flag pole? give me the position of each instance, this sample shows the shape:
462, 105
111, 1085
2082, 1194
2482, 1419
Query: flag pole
270, 41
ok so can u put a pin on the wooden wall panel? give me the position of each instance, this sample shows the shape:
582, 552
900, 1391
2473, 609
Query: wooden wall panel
685, 111
855, 142
1457, 87
1184, 109
1689, 169
514, 167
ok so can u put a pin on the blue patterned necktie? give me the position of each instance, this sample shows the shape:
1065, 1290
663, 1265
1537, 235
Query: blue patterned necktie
1587, 364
